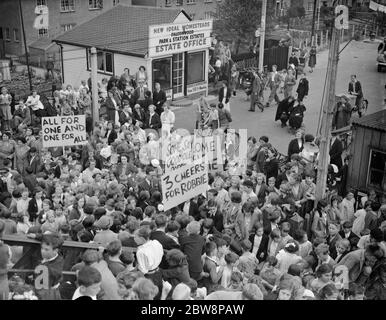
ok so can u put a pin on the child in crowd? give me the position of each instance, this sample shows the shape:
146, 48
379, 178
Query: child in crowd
89, 284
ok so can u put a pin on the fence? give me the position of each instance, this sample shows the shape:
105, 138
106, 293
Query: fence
274, 55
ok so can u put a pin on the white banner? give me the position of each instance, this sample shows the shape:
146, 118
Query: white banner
377, 7
62, 131
174, 38
184, 184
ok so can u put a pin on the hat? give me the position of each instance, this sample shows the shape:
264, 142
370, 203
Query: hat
155, 163
110, 202
248, 183
160, 207
106, 152
104, 223
75, 225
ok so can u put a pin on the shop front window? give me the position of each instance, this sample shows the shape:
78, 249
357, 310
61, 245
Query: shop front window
162, 73
196, 67
377, 170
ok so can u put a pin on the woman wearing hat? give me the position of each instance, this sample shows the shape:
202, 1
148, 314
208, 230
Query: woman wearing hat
342, 114
104, 235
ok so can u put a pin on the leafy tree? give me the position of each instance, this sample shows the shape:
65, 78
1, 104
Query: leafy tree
296, 10
239, 19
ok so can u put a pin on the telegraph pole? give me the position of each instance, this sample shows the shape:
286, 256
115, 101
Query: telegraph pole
313, 22
94, 86
25, 45
327, 115
262, 35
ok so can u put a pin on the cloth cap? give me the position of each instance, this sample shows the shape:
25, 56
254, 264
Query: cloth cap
104, 223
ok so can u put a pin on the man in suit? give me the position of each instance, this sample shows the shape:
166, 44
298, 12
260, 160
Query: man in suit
159, 98
159, 234
347, 233
303, 87
273, 82
257, 93
355, 88
35, 161
261, 154
153, 120
336, 152
224, 95
125, 114
139, 94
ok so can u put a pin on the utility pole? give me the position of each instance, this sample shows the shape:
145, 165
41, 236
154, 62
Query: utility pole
327, 115
262, 35
318, 8
94, 86
25, 45
313, 22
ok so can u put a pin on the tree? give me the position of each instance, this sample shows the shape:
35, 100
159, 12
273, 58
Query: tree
296, 10
239, 19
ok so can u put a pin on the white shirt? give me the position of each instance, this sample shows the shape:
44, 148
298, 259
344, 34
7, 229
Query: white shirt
256, 243
168, 118
77, 295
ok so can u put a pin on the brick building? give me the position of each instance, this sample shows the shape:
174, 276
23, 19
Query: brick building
63, 16
197, 9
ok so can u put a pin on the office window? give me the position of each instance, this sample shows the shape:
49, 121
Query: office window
179, 2
105, 61
41, 2
310, 6
196, 67
377, 170
190, 1
66, 27
168, 3
67, 5
95, 4
7, 34
115, 2
16, 35
208, 1
43, 33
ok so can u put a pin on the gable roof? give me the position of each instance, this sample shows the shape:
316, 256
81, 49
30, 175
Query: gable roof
375, 121
123, 29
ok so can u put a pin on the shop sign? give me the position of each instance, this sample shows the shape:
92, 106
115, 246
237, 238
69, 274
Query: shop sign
175, 38
193, 88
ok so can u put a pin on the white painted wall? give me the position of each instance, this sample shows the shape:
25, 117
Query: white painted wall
133, 63
75, 65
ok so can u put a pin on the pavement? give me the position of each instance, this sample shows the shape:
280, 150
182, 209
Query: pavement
358, 58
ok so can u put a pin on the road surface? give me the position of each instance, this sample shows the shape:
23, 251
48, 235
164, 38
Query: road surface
357, 58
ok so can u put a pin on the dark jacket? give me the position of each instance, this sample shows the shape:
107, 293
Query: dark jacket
358, 88
221, 95
111, 137
353, 238
177, 274
159, 98
35, 164
336, 153
303, 88
110, 109
271, 168
193, 246
293, 148
167, 242
294, 61
30, 182
123, 118
155, 122
261, 254
33, 209
139, 116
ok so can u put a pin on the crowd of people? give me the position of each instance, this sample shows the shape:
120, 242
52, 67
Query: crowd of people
253, 235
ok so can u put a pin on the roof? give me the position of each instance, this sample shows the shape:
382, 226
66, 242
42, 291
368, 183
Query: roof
123, 29
375, 121
42, 44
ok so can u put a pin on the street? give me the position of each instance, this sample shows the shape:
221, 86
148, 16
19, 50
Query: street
357, 58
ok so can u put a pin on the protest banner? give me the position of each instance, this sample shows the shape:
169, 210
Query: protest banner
62, 131
177, 152
183, 184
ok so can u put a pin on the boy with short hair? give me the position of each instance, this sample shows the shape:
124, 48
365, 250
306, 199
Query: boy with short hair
89, 281
50, 246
